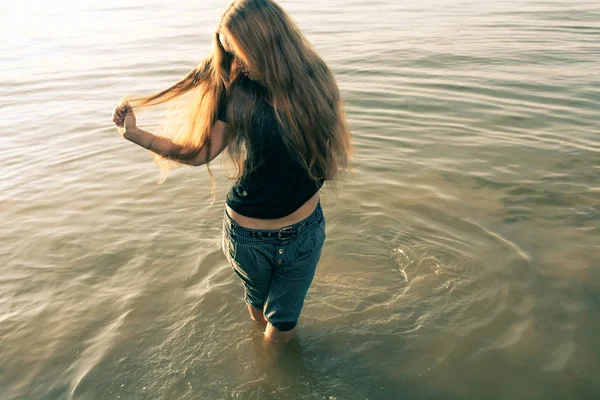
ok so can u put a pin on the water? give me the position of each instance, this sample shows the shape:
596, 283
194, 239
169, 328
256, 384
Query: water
463, 247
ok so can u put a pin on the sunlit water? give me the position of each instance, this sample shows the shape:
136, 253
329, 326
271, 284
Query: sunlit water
463, 250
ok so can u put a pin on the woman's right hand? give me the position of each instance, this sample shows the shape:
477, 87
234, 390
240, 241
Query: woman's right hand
123, 117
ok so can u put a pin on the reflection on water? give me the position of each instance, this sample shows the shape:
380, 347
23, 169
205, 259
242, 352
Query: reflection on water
461, 251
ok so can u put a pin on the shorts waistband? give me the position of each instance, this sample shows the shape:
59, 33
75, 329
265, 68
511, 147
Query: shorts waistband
275, 235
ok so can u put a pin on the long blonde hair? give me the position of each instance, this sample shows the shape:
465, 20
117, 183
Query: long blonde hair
294, 80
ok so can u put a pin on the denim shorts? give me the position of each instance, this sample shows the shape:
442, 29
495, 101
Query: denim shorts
276, 266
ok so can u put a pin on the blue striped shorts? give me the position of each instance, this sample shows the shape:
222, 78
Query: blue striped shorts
276, 266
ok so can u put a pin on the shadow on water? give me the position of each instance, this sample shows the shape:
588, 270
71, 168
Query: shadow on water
324, 367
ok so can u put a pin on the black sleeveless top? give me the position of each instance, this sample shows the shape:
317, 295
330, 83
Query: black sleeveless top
276, 184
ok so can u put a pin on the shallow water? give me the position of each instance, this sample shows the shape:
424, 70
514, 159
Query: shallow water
463, 247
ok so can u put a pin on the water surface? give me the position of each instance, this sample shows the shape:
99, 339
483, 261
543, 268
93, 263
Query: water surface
463, 247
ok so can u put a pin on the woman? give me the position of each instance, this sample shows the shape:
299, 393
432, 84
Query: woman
265, 96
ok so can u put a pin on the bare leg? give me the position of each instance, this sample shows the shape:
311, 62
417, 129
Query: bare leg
257, 315
275, 335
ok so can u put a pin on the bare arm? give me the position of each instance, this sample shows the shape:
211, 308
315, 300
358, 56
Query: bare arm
185, 155
124, 117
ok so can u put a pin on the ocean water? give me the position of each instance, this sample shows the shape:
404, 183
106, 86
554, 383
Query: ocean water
463, 250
